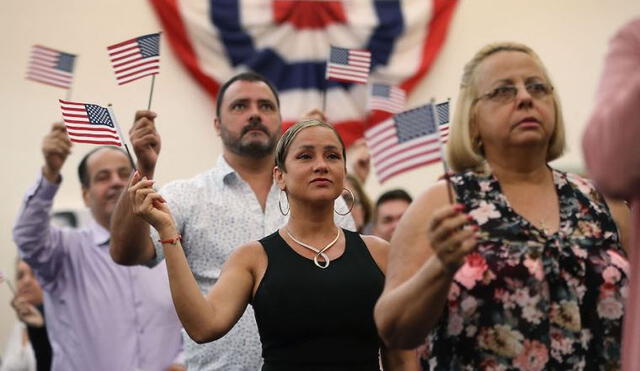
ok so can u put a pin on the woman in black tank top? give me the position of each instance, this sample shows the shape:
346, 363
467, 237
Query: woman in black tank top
313, 285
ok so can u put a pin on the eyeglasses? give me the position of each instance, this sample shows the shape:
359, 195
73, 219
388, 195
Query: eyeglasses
507, 93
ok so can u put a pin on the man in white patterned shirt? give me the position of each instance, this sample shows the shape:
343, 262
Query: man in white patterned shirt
218, 210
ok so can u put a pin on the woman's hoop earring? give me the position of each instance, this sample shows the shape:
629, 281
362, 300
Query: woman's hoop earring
280, 202
353, 197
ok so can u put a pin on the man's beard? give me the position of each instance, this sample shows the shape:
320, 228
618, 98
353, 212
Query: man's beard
253, 148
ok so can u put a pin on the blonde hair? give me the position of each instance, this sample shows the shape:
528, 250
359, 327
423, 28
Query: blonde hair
464, 152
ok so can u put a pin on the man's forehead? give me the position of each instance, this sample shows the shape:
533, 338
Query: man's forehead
242, 89
393, 205
107, 158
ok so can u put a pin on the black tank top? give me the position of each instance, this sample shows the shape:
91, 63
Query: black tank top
318, 319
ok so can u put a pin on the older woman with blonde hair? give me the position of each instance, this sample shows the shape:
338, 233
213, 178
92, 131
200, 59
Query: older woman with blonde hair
527, 270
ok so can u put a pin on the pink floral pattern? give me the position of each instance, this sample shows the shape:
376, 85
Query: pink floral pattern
529, 300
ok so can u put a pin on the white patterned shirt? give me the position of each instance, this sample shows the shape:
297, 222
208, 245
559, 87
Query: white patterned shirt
215, 212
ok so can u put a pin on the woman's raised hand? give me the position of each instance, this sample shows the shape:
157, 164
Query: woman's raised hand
451, 236
148, 204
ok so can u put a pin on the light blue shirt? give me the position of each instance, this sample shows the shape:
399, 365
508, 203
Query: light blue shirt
100, 315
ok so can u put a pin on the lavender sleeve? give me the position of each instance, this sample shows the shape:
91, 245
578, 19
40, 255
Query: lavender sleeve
40, 244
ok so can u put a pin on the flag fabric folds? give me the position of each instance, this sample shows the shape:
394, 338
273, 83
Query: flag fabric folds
348, 65
386, 98
288, 42
136, 58
90, 123
51, 67
404, 142
442, 109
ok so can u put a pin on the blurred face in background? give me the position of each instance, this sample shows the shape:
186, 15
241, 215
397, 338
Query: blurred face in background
109, 172
27, 286
388, 215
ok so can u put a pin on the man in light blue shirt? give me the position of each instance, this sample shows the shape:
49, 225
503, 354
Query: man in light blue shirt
100, 315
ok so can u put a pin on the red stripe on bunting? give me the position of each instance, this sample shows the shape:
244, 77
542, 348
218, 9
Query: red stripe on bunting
437, 29
169, 15
442, 10
308, 15
437, 32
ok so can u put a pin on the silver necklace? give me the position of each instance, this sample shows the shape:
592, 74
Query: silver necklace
319, 253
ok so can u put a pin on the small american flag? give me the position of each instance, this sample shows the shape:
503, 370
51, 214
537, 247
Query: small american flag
386, 98
406, 141
348, 65
50, 66
90, 123
442, 109
135, 58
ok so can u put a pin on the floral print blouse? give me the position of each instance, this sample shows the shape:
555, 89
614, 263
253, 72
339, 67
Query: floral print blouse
527, 300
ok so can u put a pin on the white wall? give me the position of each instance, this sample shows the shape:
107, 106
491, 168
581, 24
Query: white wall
570, 36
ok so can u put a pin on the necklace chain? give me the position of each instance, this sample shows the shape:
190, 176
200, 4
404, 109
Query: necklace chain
319, 252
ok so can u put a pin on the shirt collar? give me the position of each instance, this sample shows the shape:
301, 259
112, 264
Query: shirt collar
101, 236
224, 173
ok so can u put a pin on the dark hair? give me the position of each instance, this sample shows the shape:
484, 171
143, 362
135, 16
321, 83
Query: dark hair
244, 76
83, 175
282, 148
361, 196
394, 194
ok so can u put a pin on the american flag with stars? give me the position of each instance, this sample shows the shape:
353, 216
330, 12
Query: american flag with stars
386, 98
51, 67
136, 58
442, 110
348, 65
404, 142
90, 123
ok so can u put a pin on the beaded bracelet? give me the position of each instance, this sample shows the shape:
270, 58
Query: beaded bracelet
171, 241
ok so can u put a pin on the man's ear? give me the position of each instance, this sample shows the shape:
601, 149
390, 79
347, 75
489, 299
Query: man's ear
278, 178
85, 196
216, 125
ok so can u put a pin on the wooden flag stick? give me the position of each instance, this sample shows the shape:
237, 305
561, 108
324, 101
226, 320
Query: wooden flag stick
446, 177
13, 290
153, 81
324, 100
124, 143
436, 121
